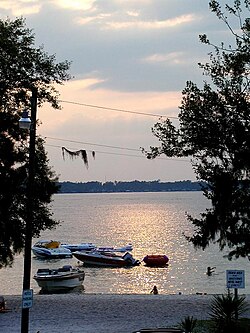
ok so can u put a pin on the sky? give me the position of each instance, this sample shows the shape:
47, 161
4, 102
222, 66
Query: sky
130, 61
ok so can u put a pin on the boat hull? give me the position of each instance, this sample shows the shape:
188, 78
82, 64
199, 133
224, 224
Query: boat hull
50, 280
103, 259
56, 253
124, 249
79, 247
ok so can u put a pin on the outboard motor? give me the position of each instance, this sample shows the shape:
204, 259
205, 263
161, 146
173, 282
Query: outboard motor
128, 257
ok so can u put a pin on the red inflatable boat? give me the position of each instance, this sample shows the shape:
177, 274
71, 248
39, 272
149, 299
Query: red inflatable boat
156, 260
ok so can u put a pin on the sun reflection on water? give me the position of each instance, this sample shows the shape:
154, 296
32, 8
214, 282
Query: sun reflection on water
154, 223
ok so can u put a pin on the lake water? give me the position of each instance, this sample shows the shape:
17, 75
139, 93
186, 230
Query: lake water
154, 223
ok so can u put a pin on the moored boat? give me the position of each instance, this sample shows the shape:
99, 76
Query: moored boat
79, 247
50, 249
63, 278
124, 248
99, 258
156, 260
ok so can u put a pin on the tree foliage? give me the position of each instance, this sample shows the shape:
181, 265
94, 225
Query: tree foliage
23, 67
214, 130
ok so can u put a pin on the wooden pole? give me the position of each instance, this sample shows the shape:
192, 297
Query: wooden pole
29, 219
236, 298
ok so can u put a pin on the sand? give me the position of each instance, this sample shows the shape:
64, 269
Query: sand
88, 313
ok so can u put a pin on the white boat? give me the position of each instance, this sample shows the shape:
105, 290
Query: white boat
79, 247
63, 278
50, 249
125, 248
99, 258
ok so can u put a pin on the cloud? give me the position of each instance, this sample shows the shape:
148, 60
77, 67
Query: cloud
133, 13
75, 4
123, 22
91, 19
81, 112
87, 83
133, 55
21, 7
168, 58
149, 24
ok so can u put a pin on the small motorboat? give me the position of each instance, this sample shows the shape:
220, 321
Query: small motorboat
105, 258
79, 247
63, 278
156, 260
50, 249
125, 248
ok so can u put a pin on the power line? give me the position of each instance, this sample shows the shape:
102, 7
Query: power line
119, 110
108, 146
120, 154
91, 144
101, 152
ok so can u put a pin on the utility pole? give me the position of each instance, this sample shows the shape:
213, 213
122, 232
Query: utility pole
30, 213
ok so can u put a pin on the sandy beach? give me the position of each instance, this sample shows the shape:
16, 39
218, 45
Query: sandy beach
88, 313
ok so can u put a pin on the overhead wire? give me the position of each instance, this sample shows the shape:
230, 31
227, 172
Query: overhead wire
106, 108
101, 152
119, 110
91, 144
121, 154
110, 146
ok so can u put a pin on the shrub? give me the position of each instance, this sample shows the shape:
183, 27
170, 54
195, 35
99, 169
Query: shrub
225, 310
188, 324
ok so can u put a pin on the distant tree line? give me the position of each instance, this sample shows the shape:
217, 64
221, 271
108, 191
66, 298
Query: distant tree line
132, 186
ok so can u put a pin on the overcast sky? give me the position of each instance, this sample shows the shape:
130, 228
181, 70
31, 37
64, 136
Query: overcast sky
131, 55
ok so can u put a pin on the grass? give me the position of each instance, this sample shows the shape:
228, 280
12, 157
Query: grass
206, 326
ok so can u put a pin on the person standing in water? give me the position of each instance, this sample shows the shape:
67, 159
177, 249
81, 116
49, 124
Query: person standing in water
210, 270
154, 291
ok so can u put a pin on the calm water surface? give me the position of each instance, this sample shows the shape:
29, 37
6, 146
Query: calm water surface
154, 223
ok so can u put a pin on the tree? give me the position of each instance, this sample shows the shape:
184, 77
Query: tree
23, 67
214, 130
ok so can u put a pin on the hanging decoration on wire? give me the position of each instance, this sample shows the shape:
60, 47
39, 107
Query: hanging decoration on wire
82, 153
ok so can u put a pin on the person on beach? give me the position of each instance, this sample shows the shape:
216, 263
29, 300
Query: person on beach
154, 291
210, 270
2, 303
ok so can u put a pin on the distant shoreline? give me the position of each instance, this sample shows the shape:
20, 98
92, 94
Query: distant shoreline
132, 186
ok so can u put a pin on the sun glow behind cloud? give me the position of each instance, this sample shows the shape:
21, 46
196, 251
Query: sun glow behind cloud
81, 91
